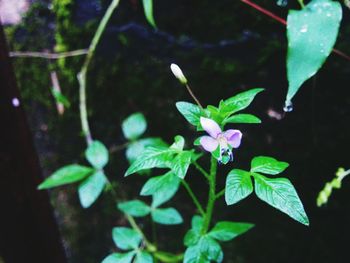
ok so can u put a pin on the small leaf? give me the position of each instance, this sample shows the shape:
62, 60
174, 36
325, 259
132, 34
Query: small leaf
134, 126
267, 165
280, 193
312, 33
180, 163
148, 8
135, 208
166, 216
119, 258
179, 143
66, 175
135, 149
190, 111
242, 118
143, 257
91, 188
191, 238
206, 250
97, 154
225, 231
126, 238
197, 223
238, 186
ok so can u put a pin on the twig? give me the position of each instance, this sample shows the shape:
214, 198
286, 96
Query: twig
194, 198
48, 55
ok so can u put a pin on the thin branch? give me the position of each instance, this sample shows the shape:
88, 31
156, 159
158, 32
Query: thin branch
193, 196
193, 96
219, 194
48, 55
200, 168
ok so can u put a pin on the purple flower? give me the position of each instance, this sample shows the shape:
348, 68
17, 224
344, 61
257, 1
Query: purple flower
225, 140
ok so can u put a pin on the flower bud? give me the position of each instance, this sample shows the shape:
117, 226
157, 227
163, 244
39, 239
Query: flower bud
178, 73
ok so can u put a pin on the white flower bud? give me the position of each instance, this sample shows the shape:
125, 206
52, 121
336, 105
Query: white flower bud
178, 73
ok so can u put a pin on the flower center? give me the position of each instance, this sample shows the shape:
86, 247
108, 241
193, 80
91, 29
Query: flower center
222, 141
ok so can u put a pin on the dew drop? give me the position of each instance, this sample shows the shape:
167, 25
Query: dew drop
288, 106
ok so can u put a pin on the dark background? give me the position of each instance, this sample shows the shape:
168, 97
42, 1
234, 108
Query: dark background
223, 47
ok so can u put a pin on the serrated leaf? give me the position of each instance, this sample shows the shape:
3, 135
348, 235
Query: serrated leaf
161, 187
148, 9
66, 175
180, 164
267, 165
166, 216
134, 126
190, 111
135, 208
126, 238
225, 231
91, 188
238, 186
242, 118
280, 193
312, 33
97, 154
135, 149
119, 258
143, 257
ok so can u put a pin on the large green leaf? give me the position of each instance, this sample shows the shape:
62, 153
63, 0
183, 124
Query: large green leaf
134, 126
267, 165
136, 148
311, 33
280, 193
143, 257
119, 258
91, 188
190, 111
126, 238
97, 154
238, 186
242, 118
66, 175
148, 9
135, 208
166, 216
225, 231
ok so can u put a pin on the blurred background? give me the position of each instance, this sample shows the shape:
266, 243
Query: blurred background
223, 47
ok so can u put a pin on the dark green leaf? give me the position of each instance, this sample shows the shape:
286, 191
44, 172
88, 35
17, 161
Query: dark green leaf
119, 258
225, 231
242, 118
191, 112
166, 216
126, 238
91, 188
134, 126
238, 186
280, 193
311, 33
135, 149
97, 154
143, 257
66, 175
135, 208
267, 165
148, 8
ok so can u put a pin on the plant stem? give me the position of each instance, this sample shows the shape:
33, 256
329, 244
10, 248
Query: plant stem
48, 55
219, 194
211, 196
193, 96
301, 2
200, 168
194, 198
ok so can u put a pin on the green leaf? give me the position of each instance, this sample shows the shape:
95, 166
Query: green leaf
91, 188
60, 98
143, 257
179, 143
312, 33
161, 187
166, 216
148, 8
197, 223
191, 238
134, 126
66, 175
135, 208
97, 154
126, 238
280, 193
191, 112
152, 157
119, 258
267, 165
135, 149
242, 118
180, 163
206, 250
239, 101
238, 186
225, 231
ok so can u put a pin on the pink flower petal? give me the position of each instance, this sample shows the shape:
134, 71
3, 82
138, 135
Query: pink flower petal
210, 126
208, 143
233, 137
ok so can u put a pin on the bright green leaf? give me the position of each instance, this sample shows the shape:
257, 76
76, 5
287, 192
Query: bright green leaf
135, 208
148, 9
135, 149
180, 163
191, 238
126, 238
119, 258
238, 186
280, 193
166, 216
134, 126
312, 33
197, 223
66, 175
190, 111
267, 165
206, 250
97, 154
242, 118
179, 143
225, 231
91, 188
143, 257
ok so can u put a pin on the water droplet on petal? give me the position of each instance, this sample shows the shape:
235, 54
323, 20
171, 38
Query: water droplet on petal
288, 106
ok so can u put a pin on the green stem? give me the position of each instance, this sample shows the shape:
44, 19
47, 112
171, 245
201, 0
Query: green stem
301, 2
200, 168
193, 196
219, 194
211, 196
